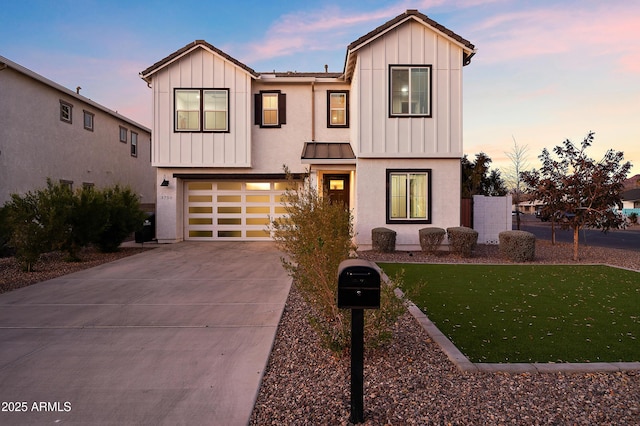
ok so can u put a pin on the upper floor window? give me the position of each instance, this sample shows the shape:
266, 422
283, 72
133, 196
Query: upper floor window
410, 88
66, 110
134, 144
201, 110
408, 196
337, 108
123, 134
88, 120
270, 108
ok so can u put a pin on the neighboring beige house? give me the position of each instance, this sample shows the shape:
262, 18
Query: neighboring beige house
384, 135
48, 131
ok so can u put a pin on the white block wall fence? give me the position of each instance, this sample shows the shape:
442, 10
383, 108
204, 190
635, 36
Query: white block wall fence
491, 215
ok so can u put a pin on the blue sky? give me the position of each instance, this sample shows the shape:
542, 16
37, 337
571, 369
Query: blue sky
545, 71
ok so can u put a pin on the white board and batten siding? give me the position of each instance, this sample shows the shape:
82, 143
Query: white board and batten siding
436, 136
202, 69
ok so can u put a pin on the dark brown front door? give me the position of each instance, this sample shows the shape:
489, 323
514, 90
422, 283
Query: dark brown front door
337, 188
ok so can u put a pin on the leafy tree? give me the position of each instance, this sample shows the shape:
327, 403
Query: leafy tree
577, 190
86, 221
476, 179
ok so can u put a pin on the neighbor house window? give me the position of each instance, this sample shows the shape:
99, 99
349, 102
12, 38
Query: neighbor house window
88, 120
337, 109
201, 110
270, 109
134, 144
66, 110
123, 134
410, 91
408, 196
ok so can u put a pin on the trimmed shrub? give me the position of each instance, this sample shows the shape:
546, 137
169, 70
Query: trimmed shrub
633, 217
462, 240
517, 246
383, 239
431, 239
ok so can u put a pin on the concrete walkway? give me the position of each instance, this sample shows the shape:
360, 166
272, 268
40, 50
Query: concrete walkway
178, 335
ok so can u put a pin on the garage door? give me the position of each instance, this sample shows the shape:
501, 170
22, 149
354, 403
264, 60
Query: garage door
231, 210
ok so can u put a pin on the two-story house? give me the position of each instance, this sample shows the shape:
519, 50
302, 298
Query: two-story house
384, 135
49, 131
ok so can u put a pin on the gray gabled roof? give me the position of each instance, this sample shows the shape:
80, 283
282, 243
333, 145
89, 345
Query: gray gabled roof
467, 46
147, 73
631, 195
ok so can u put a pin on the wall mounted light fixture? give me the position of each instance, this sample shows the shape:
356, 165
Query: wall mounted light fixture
165, 182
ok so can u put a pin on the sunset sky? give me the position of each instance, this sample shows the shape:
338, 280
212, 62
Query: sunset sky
545, 71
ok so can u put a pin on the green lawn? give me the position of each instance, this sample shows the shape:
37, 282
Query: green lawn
530, 313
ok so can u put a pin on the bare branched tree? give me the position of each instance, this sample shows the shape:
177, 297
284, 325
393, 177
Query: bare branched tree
519, 163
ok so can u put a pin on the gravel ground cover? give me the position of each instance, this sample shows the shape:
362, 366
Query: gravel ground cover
52, 265
412, 382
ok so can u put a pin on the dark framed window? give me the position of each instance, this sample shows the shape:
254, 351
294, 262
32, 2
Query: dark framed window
88, 120
67, 183
123, 134
134, 144
66, 112
201, 110
337, 108
270, 108
410, 90
408, 195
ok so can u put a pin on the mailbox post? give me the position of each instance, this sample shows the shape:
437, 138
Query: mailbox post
358, 289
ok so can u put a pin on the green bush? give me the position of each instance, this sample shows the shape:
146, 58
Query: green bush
28, 230
56, 218
123, 216
633, 217
316, 236
5, 233
517, 246
462, 240
431, 239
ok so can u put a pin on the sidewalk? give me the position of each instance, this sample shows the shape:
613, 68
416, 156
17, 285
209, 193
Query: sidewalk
176, 335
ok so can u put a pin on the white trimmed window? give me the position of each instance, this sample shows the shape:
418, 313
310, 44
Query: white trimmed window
88, 120
337, 108
410, 91
66, 111
134, 144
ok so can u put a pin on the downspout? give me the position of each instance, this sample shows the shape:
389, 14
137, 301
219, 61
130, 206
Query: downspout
313, 111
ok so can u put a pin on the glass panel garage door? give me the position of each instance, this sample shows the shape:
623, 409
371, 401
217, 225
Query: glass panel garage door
231, 210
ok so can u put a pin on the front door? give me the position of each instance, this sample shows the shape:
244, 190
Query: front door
337, 188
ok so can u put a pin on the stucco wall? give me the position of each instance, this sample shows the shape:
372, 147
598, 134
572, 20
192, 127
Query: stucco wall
371, 198
35, 144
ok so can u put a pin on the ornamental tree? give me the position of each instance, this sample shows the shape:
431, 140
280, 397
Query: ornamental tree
578, 191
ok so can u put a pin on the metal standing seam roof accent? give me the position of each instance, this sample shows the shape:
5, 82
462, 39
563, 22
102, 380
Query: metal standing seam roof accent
327, 151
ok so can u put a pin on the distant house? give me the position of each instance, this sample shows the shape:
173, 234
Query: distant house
49, 131
631, 201
384, 136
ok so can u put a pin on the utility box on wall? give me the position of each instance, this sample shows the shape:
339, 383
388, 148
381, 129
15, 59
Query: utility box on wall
491, 215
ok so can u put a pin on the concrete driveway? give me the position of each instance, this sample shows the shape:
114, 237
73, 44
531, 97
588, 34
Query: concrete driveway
178, 335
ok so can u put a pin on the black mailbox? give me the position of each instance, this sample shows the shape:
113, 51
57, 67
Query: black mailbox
358, 285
